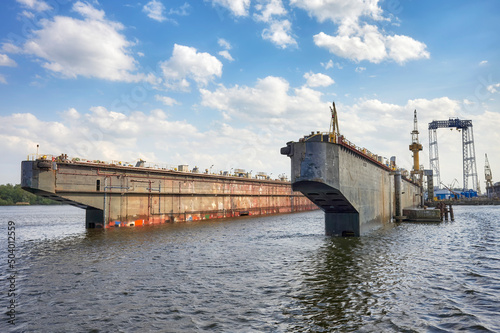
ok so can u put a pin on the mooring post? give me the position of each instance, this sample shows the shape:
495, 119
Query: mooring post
451, 213
440, 206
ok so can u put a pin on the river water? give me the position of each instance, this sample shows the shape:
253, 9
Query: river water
262, 274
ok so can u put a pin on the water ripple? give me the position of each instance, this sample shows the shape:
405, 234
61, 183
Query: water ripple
267, 274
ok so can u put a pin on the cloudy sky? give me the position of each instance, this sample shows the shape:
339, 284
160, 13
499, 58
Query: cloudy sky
228, 82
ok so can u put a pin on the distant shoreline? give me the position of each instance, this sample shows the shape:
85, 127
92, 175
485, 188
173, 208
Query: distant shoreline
14, 195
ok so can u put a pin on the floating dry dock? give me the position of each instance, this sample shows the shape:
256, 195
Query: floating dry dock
114, 194
354, 188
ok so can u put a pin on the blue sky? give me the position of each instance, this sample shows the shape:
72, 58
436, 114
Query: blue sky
228, 82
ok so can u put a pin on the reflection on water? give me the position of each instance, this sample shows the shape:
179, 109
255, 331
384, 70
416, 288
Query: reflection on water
271, 274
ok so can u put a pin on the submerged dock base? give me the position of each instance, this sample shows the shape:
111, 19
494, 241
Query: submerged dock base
342, 224
94, 218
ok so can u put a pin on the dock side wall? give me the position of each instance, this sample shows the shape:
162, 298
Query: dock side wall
138, 196
356, 193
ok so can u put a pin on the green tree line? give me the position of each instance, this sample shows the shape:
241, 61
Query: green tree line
12, 194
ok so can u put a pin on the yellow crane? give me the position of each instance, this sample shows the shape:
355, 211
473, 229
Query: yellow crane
415, 146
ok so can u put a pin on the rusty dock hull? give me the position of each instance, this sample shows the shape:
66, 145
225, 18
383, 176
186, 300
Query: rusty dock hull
114, 195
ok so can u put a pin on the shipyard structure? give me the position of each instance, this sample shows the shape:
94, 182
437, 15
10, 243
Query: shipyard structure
126, 195
357, 190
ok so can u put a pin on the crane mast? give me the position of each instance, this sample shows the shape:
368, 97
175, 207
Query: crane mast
334, 122
415, 147
487, 172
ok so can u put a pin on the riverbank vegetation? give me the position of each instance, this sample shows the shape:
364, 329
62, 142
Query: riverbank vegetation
15, 195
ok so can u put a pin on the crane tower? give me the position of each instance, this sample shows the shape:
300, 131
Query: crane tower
487, 172
415, 147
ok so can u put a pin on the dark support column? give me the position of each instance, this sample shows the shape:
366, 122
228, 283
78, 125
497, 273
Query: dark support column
342, 224
397, 193
94, 218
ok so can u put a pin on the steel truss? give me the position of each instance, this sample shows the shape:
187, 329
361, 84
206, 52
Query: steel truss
469, 153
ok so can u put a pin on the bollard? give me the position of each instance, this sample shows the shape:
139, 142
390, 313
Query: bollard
441, 207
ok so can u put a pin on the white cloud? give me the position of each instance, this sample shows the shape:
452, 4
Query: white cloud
6, 61
181, 11
340, 10
360, 41
93, 47
155, 10
269, 9
404, 48
266, 98
360, 69
36, 5
11, 48
92, 136
87, 11
484, 62
328, 65
279, 32
225, 54
2, 79
169, 101
187, 63
27, 14
331, 64
71, 114
368, 43
224, 44
269, 102
356, 48
227, 46
237, 7
318, 80
492, 88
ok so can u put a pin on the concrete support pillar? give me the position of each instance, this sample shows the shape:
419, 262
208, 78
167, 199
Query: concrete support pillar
430, 185
397, 192
342, 224
94, 218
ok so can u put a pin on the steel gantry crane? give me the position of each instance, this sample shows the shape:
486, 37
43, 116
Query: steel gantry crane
468, 150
